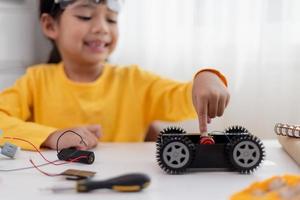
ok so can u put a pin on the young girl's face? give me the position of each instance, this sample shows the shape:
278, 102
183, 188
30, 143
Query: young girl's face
87, 32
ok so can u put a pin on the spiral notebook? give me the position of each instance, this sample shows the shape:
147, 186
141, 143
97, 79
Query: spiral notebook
289, 138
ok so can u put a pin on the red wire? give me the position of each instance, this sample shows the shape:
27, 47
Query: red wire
52, 175
22, 168
51, 162
43, 172
41, 165
23, 140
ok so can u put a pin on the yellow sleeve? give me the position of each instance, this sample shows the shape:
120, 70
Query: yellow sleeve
16, 104
168, 100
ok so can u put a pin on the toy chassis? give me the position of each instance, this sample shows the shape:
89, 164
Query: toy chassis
234, 149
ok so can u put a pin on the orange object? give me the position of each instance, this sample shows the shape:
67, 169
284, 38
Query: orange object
275, 188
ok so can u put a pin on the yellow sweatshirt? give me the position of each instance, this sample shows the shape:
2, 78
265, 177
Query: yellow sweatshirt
123, 100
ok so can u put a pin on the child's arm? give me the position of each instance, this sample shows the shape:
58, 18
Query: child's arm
210, 96
14, 127
43, 136
16, 110
168, 100
16, 106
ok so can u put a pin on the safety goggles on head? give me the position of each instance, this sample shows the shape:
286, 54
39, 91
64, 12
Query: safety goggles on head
114, 5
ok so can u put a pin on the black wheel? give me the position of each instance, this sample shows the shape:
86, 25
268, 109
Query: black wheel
173, 130
175, 154
167, 131
246, 152
236, 129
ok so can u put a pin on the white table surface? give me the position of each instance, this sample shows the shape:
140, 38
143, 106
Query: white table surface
117, 158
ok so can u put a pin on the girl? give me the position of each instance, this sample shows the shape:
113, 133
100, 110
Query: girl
97, 100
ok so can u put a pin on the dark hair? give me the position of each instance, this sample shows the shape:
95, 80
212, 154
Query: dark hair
54, 10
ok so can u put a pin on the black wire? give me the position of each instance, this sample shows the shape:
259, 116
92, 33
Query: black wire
69, 131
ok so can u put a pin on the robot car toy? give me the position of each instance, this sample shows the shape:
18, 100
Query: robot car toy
234, 149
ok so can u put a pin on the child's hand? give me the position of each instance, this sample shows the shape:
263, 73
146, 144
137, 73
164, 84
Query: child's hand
210, 98
90, 135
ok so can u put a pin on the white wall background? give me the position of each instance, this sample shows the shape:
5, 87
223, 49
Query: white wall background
254, 42
16, 38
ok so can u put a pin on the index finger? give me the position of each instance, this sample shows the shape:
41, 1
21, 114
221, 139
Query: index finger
202, 117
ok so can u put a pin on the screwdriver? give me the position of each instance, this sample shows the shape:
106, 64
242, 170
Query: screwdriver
133, 182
